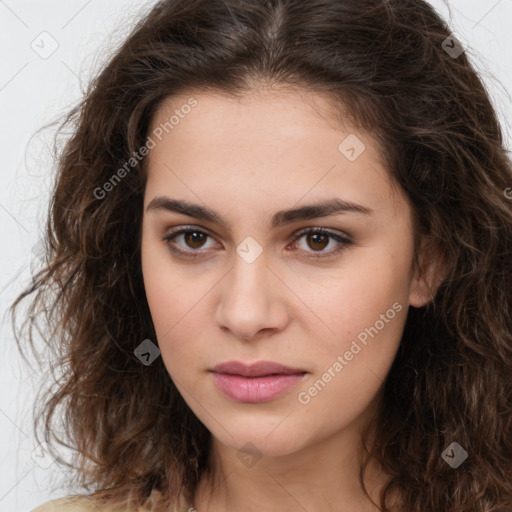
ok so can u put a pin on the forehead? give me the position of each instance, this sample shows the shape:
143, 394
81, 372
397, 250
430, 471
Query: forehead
283, 143
280, 113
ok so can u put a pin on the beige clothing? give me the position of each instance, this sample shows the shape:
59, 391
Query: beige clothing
85, 504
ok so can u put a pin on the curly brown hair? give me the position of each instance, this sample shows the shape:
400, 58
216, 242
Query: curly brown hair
386, 64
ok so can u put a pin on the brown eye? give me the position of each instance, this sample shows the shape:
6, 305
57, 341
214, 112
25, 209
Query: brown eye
317, 241
194, 239
191, 241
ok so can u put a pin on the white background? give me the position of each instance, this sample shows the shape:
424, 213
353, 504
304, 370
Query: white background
35, 91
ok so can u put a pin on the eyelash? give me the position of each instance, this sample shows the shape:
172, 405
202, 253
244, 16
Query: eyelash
344, 242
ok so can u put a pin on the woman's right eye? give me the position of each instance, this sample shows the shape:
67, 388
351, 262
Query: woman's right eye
193, 238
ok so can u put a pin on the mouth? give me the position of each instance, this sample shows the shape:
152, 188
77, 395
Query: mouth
259, 369
256, 383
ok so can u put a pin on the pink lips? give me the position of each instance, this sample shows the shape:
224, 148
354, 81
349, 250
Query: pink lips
259, 382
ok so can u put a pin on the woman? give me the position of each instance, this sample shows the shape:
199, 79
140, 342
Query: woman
280, 238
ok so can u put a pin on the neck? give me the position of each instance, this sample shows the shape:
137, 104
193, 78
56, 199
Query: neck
323, 475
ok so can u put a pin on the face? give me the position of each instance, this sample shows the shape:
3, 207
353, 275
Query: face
255, 276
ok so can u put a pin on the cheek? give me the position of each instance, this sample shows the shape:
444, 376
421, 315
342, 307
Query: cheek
156, 282
177, 311
164, 292
166, 288
366, 311
356, 300
351, 370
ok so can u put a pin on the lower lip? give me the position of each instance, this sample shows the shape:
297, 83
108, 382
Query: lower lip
255, 390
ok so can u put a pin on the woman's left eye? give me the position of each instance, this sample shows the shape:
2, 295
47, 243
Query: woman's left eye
316, 238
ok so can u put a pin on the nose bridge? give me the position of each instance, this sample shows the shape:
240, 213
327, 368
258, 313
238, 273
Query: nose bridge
249, 301
250, 265
249, 277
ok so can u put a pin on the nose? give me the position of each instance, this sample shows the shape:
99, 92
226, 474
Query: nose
252, 300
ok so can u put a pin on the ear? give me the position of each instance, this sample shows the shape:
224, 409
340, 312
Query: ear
428, 274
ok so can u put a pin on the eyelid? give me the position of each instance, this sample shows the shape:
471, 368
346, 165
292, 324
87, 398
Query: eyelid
333, 233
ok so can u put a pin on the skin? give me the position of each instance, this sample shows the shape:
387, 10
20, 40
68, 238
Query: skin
246, 159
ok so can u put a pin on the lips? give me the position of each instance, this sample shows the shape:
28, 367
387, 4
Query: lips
259, 369
256, 383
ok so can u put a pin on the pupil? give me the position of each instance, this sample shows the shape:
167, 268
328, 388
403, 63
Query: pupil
194, 237
315, 238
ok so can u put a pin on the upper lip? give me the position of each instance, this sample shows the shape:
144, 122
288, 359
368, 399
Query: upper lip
258, 369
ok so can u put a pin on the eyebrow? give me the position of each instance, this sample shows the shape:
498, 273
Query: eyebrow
311, 211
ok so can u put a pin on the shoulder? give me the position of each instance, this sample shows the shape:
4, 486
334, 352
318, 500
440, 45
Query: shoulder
68, 504
82, 503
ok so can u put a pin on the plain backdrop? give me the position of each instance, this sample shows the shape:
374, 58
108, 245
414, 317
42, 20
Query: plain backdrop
49, 50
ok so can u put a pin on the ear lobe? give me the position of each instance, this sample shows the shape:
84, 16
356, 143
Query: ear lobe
428, 275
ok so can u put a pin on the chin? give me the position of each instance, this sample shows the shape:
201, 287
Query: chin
264, 439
